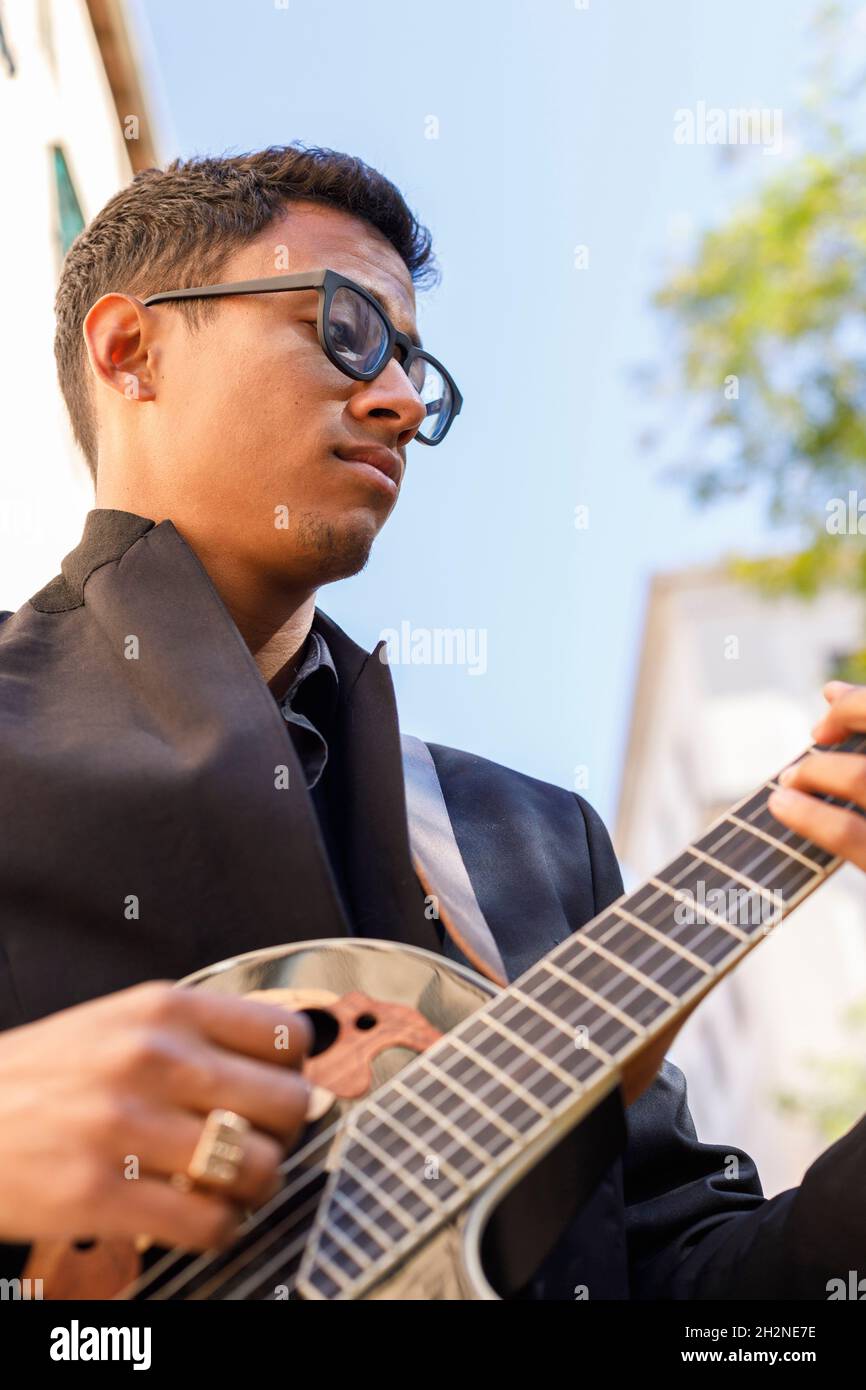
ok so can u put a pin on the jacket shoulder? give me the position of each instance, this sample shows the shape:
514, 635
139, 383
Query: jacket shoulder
555, 819
457, 766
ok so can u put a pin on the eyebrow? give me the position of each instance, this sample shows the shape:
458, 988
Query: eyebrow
389, 310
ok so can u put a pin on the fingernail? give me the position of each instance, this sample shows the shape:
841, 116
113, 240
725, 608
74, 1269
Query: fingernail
786, 776
782, 801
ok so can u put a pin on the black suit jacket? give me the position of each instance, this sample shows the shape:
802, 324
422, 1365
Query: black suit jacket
144, 836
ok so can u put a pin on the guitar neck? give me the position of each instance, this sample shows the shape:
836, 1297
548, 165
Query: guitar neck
525, 1066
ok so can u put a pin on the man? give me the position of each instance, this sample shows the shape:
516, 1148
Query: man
247, 447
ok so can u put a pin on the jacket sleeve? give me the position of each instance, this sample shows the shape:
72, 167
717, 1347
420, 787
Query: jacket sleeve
698, 1225
697, 1222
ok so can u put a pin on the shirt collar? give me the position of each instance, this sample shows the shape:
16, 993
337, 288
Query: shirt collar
317, 656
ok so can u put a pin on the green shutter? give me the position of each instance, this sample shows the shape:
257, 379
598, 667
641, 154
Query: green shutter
70, 220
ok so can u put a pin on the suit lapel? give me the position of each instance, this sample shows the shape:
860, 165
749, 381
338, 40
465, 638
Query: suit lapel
225, 748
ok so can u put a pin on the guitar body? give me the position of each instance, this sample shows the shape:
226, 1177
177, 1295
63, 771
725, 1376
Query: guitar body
455, 1128
375, 1007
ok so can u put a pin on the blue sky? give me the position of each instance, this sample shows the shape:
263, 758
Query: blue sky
555, 130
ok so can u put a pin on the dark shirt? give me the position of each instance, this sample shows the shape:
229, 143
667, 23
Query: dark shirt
309, 708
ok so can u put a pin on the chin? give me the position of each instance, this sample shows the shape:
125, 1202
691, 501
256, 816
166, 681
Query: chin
337, 547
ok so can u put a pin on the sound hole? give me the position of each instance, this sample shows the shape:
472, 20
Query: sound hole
325, 1030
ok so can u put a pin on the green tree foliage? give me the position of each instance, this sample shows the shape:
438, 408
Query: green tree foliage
766, 325
766, 329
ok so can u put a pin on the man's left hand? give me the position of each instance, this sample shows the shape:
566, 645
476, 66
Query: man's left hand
842, 775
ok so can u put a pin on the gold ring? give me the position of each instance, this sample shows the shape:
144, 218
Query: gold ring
219, 1152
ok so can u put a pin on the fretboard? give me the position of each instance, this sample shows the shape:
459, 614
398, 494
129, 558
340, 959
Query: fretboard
533, 1060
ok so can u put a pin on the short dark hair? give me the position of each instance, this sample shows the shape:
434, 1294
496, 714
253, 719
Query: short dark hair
176, 227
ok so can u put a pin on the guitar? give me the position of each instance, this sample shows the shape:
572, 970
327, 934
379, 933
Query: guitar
455, 1127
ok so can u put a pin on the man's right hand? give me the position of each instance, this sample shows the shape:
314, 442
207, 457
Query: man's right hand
124, 1084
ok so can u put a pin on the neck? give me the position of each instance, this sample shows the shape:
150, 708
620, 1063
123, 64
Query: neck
276, 650
274, 618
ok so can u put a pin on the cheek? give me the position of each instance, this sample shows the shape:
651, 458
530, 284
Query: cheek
297, 383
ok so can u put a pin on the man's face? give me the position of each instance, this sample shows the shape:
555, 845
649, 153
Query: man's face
252, 414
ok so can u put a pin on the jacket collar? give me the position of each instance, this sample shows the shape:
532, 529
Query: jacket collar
160, 586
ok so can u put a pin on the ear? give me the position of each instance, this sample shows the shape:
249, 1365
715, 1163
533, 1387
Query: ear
119, 335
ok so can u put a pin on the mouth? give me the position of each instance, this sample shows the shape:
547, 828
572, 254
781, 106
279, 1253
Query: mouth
379, 466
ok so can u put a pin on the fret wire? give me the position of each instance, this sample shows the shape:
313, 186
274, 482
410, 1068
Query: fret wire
631, 1024
478, 1059
366, 1141
760, 813
335, 1274
441, 1120
595, 967
714, 941
413, 1140
670, 941
548, 1068
633, 971
591, 1015
379, 1195
495, 1119
580, 988
481, 1121
641, 1005
361, 1218
520, 999
474, 1102
666, 889
501, 1097
390, 1137
707, 934
666, 892
726, 844
511, 1036
774, 841
678, 974
763, 889
673, 891
340, 1236
594, 979
777, 844
568, 1050
580, 981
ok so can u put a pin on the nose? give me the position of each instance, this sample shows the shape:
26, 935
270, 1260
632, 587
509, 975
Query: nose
390, 395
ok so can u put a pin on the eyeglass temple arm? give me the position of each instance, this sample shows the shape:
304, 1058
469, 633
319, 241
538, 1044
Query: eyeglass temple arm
302, 281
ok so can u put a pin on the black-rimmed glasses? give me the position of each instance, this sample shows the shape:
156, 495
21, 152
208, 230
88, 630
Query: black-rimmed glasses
356, 335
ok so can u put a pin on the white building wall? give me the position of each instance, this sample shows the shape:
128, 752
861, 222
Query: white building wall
714, 717
59, 95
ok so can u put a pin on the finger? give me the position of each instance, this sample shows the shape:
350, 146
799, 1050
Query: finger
194, 1220
841, 832
270, 1032
833, 689
164, 1143
273, 1101
842, 775
846, 715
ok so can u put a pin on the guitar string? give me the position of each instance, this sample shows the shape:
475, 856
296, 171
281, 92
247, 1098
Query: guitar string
318, 1145
220, 1283
283, 1196
272, 1237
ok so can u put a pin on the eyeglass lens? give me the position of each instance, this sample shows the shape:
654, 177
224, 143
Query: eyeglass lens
359, 336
